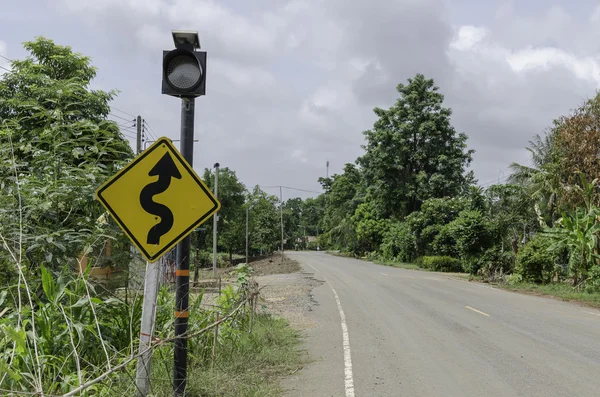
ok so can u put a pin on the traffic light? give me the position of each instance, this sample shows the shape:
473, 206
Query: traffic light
184, 68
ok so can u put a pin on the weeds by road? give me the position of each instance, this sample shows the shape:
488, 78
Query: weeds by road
260, 359
556, 290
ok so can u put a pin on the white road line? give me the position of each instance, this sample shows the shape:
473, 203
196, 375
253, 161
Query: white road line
416, 286
348, 379
315, 269
383, 273
477, 311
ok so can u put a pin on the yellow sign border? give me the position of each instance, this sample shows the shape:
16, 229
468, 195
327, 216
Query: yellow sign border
173, 150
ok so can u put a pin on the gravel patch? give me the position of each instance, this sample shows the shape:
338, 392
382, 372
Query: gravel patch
285, 291
289, 296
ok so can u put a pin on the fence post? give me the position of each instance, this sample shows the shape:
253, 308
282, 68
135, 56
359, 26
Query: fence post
215, 341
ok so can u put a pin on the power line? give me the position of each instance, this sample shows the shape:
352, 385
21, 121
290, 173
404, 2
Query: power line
119, 117
497, 180
290, 188
8, 59
122, 111
150, 130
8, 70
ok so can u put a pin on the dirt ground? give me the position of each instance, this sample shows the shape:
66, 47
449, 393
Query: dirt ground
263, 267
285, 290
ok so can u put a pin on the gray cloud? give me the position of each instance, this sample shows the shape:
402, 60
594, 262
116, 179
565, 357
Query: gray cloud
291, 85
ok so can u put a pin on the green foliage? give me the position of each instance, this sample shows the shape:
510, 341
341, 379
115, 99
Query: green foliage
232, 216
243, 272
511, 211
399, 243
444, 243
342, 197
427, 223
472, 232
56, 148
370, 227
440, 263
593, 281
579, 232
252, 369
495, 263
413, 153
66, 333
536, 260
265, 232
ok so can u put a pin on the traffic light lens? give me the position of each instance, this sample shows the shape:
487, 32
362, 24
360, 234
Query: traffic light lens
184, 72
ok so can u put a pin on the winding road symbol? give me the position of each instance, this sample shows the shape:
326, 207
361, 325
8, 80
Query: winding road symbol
166, 169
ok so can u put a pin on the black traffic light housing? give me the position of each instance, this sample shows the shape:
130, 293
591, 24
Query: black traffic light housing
198, 58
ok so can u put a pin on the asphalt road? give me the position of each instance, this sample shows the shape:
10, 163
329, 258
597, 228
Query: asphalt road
420, 334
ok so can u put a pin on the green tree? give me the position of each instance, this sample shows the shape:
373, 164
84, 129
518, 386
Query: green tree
265, 233
542, 179
370, 227
343, 194
413, 153
427, 223
511, 212
293, 225
56, 148
472, 232
231, 226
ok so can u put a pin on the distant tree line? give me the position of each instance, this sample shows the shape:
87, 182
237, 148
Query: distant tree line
411, 198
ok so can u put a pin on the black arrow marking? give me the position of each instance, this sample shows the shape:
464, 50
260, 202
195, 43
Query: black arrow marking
166, 169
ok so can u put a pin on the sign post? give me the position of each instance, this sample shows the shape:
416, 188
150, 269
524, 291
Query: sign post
158, 200
182, 274
142, 376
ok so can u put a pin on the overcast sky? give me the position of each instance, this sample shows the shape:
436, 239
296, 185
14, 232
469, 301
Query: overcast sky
292, 84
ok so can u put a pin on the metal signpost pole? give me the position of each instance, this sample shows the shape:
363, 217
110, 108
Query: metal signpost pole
215, 221
182, 273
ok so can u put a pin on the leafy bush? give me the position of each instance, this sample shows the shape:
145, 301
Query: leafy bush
434, 212
535, 260
514, 279
444, 243
399, 243
441, 263
473, 234
593, 281
494, 264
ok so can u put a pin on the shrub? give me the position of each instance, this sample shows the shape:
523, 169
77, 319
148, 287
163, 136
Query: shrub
433, 212
593, 281
535, 260
445, 243
514, 279
494, 263
440, 263
473, 234
399, 243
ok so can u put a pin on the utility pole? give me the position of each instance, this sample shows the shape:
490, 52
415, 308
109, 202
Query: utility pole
327, 168
247, 208
138, 124
215, 220
281, 216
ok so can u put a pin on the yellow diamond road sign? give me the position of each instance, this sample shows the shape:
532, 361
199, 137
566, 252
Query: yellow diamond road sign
157, 199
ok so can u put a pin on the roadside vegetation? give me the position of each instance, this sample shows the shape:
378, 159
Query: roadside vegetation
411, 201
61, 331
